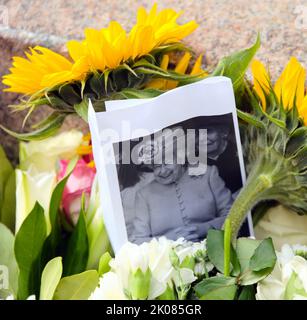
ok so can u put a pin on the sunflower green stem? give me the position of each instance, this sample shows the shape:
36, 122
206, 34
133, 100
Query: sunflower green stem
256, 185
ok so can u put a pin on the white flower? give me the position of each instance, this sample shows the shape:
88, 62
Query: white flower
99, 242
11, 297
43, 154
280, 223
289, 277
194, 254
31, 187
151, 265
289, 251
110, 288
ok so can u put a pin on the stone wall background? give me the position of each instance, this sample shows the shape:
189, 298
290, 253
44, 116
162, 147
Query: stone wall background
225, 26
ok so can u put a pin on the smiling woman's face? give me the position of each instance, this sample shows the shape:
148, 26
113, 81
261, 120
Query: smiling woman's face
214, 140
168, 173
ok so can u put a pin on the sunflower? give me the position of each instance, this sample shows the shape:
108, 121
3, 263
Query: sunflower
274, 142
104, 49
109, 63
289, 88
28, 74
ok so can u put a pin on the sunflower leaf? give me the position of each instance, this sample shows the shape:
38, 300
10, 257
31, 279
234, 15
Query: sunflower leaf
251, 119
82, 109
45, 131
235, 65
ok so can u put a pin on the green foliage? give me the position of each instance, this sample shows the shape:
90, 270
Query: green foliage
215, 249
247, 293
28, 248
235, 65
77, 287
217, 288
251, 261
52, 243
7, 258
51, 276
44, 131
7, 192
264, 256
104, 264
77, 249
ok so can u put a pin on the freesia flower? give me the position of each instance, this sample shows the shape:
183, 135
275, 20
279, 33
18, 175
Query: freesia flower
110, 288
288, 281
148, 271
45, 154
33, 186
79, 183
289, 87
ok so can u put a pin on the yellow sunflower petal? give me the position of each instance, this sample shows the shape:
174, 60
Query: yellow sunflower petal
76, 49
180, 68
197, 69
302, 110
160, 83
289, 87
261, 81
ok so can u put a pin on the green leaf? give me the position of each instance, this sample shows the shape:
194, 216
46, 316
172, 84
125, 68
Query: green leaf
77, 249
7, 258
215, 248
96, 83
58, 104
54, 238
138, 94
235, 65
247, 293
216, 288
104, 264
28, 247
245, 249
82, 109
77, 287
69, 95
256, 259
250, 119
51, 276
250, 277
52, 117
264, 256
8, 209
42, 132
5, 172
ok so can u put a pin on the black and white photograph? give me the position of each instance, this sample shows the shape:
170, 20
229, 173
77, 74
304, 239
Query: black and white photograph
180, 179
168, 199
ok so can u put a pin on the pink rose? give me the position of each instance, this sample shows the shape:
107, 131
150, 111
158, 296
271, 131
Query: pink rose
80, 182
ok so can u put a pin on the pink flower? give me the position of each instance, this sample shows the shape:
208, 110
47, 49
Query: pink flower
80, 182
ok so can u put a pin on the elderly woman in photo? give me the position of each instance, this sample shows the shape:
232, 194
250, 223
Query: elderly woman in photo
176, 204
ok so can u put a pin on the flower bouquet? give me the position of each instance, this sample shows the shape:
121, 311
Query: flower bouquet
54, 244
